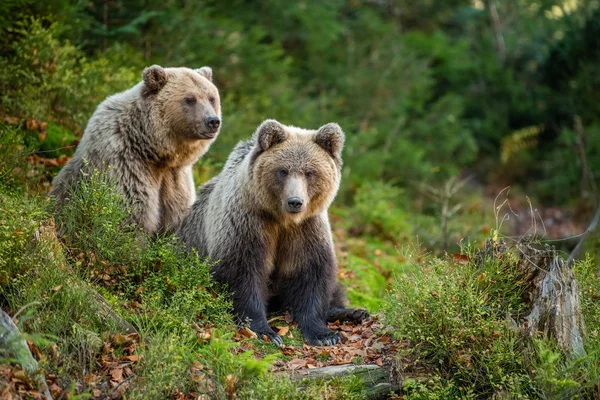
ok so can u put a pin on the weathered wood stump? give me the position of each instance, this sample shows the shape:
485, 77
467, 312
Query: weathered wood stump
13, 343
553, 294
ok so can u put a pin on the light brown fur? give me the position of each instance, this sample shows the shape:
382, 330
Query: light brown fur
148, 138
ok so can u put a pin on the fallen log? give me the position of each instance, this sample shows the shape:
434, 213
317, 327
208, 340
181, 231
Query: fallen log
379, 381
12, 342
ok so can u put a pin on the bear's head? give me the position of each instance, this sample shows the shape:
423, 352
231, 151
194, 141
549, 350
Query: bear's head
184, 101
297, 172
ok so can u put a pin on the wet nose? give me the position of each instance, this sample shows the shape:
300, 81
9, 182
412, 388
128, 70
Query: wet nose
295, 203
213, 123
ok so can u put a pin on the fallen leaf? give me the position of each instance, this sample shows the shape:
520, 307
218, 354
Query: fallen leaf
34, 350
461, 258
231, 381
282, 330
132, 358
116, 374
55, 390
247, 332
297, 363
11, 120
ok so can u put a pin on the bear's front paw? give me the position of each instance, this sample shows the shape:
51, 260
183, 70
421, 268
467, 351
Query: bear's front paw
270, 336
326, 339
354, 315
359, 316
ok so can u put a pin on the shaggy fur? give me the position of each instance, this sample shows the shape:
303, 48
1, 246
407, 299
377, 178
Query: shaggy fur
264, 219
149, 137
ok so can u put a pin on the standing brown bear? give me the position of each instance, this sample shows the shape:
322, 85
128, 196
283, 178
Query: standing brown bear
264, 221
148, 138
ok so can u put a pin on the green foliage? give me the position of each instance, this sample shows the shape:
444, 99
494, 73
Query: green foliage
225, 370
95, 220
171, 282
379, 208
165, 365
35, 278
13, 149
555, 378
434, 388
424, 91
455, 317
45, 77
177, 286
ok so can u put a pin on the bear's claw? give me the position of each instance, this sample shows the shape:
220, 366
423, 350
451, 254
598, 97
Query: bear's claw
272, 337
328, 339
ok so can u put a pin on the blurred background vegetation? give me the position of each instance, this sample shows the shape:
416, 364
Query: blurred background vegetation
498, 92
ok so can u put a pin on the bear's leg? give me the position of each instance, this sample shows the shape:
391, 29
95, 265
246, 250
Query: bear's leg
338, 310
306, 288
249, 304
244, 270
306, 295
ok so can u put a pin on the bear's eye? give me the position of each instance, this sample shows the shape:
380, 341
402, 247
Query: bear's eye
190, 100
212, 100
282, 172
309, 173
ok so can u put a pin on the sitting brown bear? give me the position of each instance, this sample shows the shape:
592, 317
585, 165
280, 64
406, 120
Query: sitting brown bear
264, 221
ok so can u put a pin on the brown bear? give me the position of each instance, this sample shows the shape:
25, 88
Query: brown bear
264, 221
148, 138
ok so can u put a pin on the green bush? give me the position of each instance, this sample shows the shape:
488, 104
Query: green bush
37, 280
455, 318
48, 78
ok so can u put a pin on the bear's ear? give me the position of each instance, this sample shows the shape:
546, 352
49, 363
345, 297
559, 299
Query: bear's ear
270, 133
331, 138
205, 72
155, 77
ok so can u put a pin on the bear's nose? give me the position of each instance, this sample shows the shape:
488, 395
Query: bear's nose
295, 203
213, 123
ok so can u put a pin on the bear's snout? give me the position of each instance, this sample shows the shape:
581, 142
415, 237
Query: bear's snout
213, 123
294, 204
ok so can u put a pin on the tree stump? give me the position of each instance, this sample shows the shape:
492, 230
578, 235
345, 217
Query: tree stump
553, 295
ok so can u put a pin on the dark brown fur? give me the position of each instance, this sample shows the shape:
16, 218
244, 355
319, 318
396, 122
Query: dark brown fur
272, 257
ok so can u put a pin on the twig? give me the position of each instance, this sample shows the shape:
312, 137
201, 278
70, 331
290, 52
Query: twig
497, 26
590, 228
14, 318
